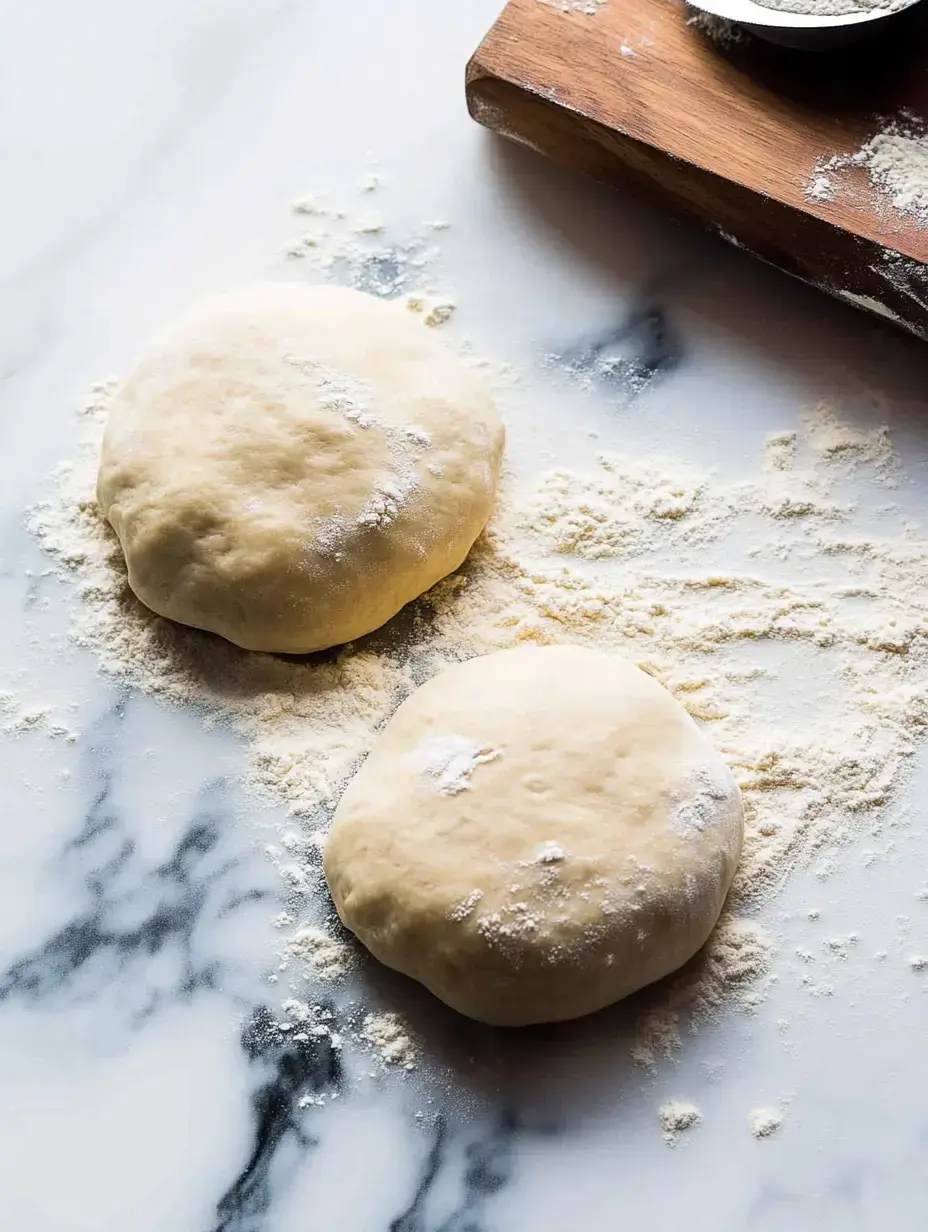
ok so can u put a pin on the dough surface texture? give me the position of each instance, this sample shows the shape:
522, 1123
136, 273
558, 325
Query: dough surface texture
289, 466
536, 834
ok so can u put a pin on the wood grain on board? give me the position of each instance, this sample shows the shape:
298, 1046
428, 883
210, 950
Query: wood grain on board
730, 136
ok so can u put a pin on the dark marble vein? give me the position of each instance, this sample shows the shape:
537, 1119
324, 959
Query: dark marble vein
487, 1169
179, 890
132, 911
295, 1068
100, 818
643, 349
411, 1219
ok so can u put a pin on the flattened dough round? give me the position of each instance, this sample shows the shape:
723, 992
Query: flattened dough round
536, 834
290, 465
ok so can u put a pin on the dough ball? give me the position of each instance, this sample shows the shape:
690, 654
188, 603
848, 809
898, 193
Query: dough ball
536, 834
291, 465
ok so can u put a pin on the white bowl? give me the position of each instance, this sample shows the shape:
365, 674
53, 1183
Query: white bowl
805, 31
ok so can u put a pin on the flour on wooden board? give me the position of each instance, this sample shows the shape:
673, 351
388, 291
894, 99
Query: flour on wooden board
589, 7
895, 159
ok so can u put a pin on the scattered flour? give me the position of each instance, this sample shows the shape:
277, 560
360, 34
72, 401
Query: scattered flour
585, 571
764, 1122
390, 1038
719, 590
607, 367
820, 187
734, 968
676, 1118
613, 510
18, 718
834, 440
840, 947
355, 248
303, 1020
319, 954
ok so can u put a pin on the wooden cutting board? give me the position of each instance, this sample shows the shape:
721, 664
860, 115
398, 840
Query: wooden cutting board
633, 95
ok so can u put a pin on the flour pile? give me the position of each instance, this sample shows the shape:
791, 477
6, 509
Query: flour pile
390, 1039
896, 162
676, 1117
315, 951
764, 1122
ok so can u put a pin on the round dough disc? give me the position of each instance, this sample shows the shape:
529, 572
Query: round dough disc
291, 465
536, 834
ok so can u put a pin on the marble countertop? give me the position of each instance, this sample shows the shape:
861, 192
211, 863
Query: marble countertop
151, 153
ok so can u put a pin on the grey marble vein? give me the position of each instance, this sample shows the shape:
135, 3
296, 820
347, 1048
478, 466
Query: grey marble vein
289, 1070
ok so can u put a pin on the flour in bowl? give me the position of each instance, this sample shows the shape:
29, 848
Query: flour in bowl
835, 8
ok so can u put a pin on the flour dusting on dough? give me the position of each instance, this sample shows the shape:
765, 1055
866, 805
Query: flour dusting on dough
705, 800
338, 391
466, 906
450, 761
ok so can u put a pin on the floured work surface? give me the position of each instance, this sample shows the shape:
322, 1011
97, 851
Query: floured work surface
769, 147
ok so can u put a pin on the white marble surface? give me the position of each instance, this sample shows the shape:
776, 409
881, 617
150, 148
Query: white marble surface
150, 153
